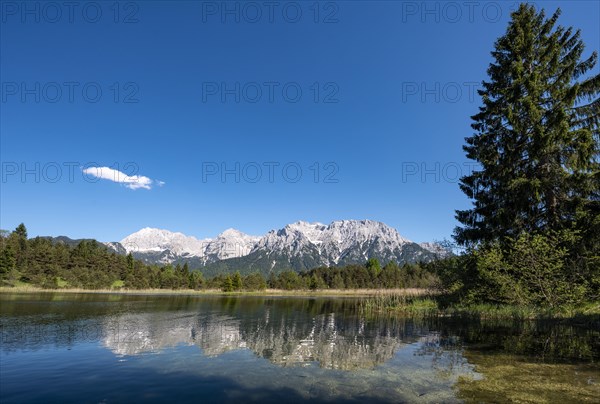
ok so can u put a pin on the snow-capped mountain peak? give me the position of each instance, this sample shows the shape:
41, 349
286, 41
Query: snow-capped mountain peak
229, 244
437, 249
230, 233
349, 231
340, 240
312, 231
166, 246
156, 240
298, 245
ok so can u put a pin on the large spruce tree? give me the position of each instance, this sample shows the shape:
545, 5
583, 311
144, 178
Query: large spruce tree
536, 135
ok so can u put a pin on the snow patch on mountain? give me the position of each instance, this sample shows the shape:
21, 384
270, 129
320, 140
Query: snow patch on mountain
166, 246
436, 248
334, 241
229, 244
299, 244
157, 240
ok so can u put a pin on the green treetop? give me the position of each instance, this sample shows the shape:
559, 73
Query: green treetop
536, 135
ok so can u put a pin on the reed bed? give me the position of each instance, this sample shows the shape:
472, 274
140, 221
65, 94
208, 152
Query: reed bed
265, 292
419, 304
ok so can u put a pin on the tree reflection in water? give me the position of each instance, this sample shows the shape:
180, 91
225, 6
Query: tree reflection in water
328, 333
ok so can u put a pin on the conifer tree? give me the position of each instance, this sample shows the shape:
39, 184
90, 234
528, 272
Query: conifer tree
227, 285
19, 239
536, 135
7, 260
237, 281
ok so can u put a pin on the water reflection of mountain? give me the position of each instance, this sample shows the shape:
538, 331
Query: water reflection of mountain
332, 340
285, 331
133, 334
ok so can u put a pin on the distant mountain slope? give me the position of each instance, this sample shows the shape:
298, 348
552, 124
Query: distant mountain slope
166, 247
298, 246
74, 242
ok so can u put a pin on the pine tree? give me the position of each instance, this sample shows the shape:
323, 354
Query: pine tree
130, 262
313, 283
7, 260
273, 281
19, 239
338, 282
237, 281
195, 279
536, 135
227, 285
21, 231
374, 267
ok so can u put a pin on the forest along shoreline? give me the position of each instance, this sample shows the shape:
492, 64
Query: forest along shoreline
407, 303
219, 292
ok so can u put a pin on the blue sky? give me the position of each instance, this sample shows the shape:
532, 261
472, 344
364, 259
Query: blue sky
350, 110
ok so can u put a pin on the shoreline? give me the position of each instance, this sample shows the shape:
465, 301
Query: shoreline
217, 292
377, 302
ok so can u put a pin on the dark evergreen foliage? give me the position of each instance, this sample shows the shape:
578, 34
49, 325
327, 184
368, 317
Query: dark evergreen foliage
536, 135
90, 265
533, 234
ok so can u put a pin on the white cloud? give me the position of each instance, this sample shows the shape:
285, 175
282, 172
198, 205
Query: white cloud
130, 181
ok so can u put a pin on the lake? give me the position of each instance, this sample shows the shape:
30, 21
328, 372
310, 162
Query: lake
105, 348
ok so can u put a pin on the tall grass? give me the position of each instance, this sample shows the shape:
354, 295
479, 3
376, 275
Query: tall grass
421, 305
27, 288
400, 302
429, 305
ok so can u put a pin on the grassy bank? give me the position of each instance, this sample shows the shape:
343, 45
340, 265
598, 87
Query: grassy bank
431, 305
410, 302
266, 292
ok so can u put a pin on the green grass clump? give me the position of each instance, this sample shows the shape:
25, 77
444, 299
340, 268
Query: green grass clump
431, 305
410, 305
61, 283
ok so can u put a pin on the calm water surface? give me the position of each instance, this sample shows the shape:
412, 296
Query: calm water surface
102, 348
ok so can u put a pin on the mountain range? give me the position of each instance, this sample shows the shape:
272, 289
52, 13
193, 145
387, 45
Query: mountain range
298, 246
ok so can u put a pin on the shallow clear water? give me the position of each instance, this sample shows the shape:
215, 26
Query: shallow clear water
116, 348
